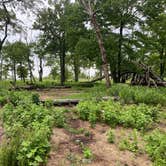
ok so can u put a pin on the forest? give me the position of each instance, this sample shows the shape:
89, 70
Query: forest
82, 82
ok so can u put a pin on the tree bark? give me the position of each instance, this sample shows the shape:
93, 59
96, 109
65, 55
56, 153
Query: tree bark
162, 63
62, 61
120, 52
76, 69
40, 69
7, 22
102, 50
14, 74
32, 78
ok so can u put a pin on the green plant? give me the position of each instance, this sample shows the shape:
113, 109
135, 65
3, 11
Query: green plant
113, 113
87, 153
3, 101
111, 136
110, 112
35, 98
88, 110
138, 116
31, 124
59, 117
138, 94
87, 133
9, 151
130, 143
156, 147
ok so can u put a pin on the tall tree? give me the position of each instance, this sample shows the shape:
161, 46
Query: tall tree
89, 7
54, 32
120, 16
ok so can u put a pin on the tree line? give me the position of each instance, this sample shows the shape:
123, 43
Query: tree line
110, 35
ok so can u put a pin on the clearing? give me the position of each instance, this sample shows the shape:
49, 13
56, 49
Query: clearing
66, 148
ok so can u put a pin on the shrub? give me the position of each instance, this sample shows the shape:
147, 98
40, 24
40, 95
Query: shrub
110, 112
59, 117
130, 143
31, 124
138, 94
89, 110
113, 113
156, 147
138, 116
3, 101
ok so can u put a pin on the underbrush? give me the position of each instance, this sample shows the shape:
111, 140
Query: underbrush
156, 147
28, 127
113, 113
137, 94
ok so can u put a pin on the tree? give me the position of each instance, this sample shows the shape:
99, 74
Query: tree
154, 27
75, 29
54, 33
40, 51
8, 19
16, 55
89, 7
119, 15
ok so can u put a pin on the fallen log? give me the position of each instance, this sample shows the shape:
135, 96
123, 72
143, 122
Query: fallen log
147, 78
63, 102
99, 79
38, 87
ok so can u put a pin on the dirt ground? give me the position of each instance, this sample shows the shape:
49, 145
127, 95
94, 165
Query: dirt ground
66, 149
56, 93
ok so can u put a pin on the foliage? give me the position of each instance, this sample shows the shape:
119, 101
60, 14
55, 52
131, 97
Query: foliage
111, 136
130, 143
21, 98
130, 94
87, 153
113, 113
156, 147
28, 129
59, 117
88, 110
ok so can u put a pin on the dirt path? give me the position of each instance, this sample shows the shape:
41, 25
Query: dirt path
56, 93
66, 150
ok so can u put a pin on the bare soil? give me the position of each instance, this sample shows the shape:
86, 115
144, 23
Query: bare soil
66, 149
51, 94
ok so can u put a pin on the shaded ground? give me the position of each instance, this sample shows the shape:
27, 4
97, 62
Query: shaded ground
67, 150
56, 93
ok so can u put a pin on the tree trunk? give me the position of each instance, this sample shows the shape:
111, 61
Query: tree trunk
14, 74
41, 69
102, 50
62, 61
1, 65
162, 63
32, 78
7, 22
76, 69
120, 53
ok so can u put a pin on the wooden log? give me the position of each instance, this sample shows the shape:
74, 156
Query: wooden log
99, 79
63, 102
38, 87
